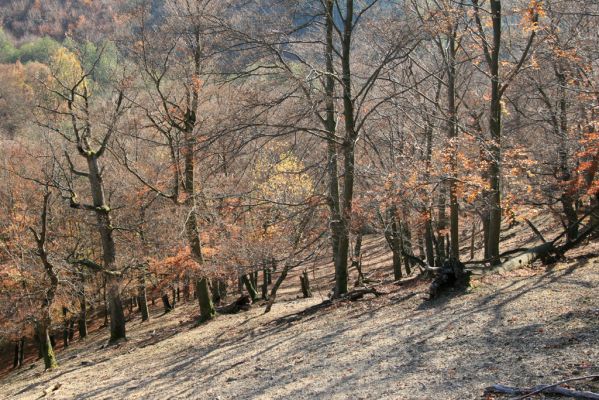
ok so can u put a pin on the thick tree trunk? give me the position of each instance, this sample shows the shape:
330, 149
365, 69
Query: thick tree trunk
47, 351
166, 303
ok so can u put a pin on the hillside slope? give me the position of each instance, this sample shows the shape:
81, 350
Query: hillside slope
534, 326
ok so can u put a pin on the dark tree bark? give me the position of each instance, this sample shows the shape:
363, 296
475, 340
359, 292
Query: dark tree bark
265, 277
166, 303
65, 330
142, 299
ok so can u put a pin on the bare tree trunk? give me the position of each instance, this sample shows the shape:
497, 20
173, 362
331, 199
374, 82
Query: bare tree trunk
495, 144
105, 301
65, 330
349, 144
331, 127
265, 274
21, 351
142, 299
82, 319
441, 225
453, 145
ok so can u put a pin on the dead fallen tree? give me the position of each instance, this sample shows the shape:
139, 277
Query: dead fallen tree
547, 251
454, 274
451, 275
357, 294
555, 388
243, 303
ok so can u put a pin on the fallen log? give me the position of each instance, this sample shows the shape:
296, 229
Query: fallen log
522, 259
545, 251
357, 294
243, 303
552, 389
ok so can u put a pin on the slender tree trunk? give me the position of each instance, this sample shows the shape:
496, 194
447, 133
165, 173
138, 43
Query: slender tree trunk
21, 351
186, 288
567, 198
331, 127
406, 245
65, 330
105, 302
495, 144
265, 274
453, 145
357, 259
441, 225
142, 299
82, 319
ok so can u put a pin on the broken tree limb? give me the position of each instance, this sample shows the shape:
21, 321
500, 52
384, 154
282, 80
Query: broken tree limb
553, 388
535, 230
421, 263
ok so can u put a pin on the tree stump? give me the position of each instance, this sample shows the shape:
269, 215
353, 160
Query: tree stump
305, 282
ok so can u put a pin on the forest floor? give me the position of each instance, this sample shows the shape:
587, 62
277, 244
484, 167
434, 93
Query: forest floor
533, 326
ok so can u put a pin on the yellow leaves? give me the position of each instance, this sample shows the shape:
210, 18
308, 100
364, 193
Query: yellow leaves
66, 68
286, 182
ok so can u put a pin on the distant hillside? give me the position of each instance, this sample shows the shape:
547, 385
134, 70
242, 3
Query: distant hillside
57, 18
